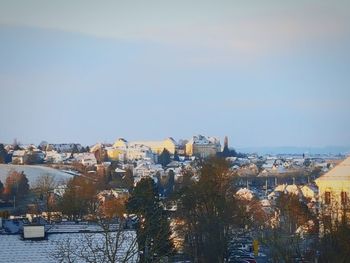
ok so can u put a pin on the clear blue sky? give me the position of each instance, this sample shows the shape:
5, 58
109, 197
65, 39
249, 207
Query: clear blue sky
265, 73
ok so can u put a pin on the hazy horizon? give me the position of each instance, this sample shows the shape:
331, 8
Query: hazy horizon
264, 149
266, 74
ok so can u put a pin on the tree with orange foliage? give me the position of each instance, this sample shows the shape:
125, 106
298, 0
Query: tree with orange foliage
79, 198
16, 185
114, 207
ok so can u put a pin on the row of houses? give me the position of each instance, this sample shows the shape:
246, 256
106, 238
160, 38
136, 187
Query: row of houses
329, 195
121, 150
253, 165
199, 146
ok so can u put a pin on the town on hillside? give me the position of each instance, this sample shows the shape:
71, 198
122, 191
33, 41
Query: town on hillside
191, 200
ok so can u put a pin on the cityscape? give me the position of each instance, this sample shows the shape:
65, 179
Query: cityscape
186, 131
55, 196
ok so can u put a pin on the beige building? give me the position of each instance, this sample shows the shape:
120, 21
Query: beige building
156, 146
129, 152
309, 192
202, 146
334, 189
115, 154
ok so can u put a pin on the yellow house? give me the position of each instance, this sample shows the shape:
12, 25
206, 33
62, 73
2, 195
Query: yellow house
121, 144
156, 146
334, 189
115, 154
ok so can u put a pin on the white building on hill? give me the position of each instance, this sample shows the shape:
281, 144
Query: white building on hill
202, 146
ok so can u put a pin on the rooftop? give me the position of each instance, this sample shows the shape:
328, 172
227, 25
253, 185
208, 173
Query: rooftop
339, 172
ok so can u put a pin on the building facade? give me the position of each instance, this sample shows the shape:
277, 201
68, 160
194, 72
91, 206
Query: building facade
155, 146
202, 146
334, 191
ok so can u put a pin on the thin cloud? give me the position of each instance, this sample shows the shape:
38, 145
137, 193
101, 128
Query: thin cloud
234, 29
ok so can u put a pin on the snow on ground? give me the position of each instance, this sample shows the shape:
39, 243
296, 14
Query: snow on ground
32, 172
14, 249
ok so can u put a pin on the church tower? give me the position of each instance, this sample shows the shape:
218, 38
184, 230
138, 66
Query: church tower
226, 142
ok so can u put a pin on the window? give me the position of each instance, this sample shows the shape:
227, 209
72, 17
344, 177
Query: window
327, 222
344, 198
327, 198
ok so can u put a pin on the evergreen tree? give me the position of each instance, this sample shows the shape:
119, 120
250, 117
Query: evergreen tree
171, 182
3, 154
226, 152
164, 158
176, 157
74, 150
1, 188
153, 230
128, 179
208, 210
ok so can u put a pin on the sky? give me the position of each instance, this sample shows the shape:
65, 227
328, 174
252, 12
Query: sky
264, 73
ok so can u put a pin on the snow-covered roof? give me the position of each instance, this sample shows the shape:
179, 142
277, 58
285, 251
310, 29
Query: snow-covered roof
18, 153
271, 195
200, 139
265, 203
310, 187
65, 147
280, 188
84, 156
293, 189
339, 172
96, 147
153, 143
117, 192
309, 191
268, 164
118, 170
174, 164
245, 193
15, 250
60, 190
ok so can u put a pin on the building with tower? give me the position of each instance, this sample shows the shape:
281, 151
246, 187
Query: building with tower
202, 146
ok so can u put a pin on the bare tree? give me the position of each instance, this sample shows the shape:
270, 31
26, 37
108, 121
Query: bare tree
295, 232
44, 186
112, 244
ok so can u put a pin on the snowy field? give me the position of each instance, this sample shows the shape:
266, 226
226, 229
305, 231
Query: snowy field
14, 250
33, 172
